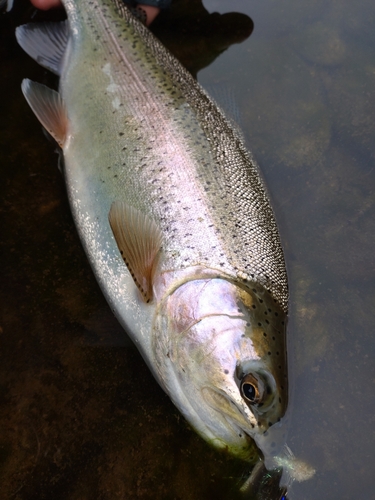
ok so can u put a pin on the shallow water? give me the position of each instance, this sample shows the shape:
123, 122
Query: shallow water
305, 81
81, 417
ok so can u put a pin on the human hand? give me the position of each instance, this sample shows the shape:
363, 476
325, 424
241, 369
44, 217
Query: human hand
151, 11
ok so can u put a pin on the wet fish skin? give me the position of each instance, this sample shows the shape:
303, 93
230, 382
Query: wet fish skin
140, 135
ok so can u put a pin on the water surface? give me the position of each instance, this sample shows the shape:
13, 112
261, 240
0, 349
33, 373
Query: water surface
305, 80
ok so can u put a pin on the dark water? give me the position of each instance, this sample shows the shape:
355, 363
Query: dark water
306, 88
80, 415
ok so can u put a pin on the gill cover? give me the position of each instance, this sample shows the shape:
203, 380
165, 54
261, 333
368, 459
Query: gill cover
213, 343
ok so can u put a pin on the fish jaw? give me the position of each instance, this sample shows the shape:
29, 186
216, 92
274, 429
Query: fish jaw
206, 339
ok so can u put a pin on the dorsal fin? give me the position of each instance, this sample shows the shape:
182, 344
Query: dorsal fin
45, 42
139, 240
48, 107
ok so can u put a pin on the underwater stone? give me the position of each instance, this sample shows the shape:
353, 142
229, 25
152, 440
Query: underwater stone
286, 116
321, 44
351, 100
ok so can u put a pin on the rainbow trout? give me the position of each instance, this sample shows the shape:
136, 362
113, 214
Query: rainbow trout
173, 216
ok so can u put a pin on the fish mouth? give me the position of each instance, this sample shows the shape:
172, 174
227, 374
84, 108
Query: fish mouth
238, 424
245, 430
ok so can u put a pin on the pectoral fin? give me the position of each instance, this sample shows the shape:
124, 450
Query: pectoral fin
139, 240
48, 107
45, 42
8, 3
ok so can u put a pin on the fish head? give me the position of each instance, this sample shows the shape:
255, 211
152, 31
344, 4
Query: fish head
220, 351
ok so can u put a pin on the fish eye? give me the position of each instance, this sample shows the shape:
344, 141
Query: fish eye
252, 389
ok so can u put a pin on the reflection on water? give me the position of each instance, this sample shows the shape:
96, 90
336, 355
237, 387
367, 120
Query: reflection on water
81, 416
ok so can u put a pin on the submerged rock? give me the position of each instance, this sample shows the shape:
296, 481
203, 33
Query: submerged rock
286, 117
351, 99
320, 43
